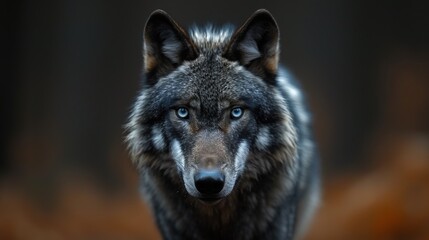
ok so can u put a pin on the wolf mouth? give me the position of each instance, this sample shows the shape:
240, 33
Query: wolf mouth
211, 200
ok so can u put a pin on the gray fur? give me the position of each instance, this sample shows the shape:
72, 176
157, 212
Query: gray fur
267, 155
172, 48
250, 47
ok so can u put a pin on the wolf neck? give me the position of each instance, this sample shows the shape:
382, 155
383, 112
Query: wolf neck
253, 210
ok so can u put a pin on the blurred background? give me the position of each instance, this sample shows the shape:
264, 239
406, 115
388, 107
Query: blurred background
72, 70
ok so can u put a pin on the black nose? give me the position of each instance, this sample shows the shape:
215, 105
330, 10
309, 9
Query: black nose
209, 181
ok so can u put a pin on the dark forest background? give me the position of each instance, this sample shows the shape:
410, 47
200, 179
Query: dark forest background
72, 70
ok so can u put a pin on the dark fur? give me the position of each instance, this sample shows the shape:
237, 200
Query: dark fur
267, 155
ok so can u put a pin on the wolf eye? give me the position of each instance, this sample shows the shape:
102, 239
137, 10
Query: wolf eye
182, 112
236, 113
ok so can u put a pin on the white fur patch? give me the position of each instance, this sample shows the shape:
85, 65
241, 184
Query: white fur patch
210, 37
295, 94
171, 48
289, 135
177, 153
263, 138
134, 138
241, 156
158, 139
134, 143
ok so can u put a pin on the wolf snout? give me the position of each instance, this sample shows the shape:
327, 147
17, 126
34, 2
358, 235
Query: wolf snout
209, 182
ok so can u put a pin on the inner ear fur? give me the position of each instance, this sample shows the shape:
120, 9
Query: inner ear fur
166, 45
255, 45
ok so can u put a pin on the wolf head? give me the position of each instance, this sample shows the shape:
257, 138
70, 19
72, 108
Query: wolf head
209, 112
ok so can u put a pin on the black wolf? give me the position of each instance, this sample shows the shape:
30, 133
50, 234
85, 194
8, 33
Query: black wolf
220, 134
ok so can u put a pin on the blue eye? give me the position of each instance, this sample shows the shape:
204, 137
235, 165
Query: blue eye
182, 113
236, 113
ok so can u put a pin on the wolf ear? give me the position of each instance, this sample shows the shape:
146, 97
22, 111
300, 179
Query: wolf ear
166, 45
255, 44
